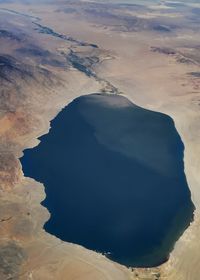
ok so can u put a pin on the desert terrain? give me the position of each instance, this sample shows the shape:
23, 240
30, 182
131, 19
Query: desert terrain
53, 52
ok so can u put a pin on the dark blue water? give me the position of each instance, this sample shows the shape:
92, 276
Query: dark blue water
114, 179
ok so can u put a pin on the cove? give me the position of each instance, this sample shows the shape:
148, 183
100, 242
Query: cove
114, 179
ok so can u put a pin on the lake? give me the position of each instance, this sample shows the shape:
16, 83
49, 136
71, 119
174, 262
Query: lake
114, 179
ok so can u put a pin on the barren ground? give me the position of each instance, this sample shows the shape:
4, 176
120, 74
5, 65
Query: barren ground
52, 53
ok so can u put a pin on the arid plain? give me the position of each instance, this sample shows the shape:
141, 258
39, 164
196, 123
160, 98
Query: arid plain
53, 52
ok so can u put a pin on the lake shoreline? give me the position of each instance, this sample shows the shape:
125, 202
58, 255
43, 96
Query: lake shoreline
88, 96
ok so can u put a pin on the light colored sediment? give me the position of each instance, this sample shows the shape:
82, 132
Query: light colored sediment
150, 79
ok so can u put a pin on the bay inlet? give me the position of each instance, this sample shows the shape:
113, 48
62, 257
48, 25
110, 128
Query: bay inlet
114, 179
